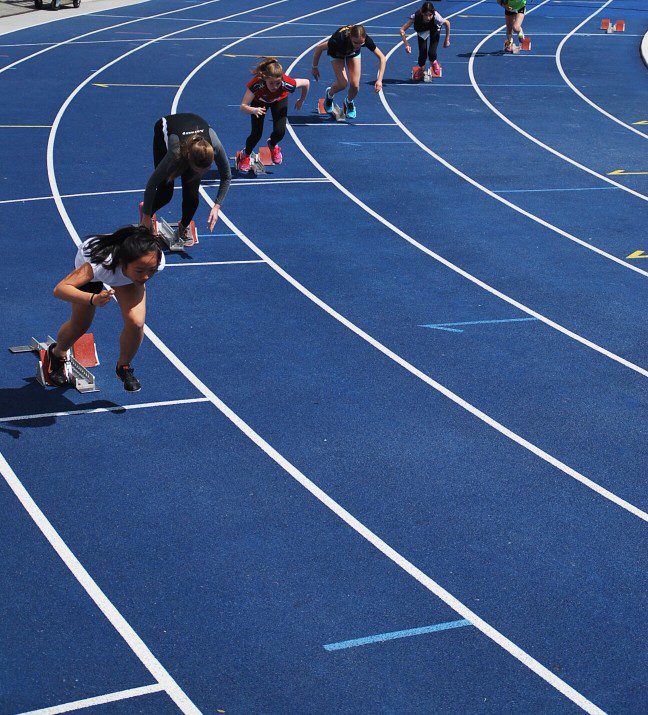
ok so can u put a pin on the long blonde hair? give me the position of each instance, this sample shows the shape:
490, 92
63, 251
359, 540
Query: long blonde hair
268, 68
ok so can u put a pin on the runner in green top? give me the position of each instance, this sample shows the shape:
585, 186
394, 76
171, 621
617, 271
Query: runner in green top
513, 14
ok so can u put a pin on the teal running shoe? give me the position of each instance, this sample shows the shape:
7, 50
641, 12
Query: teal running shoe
350, 108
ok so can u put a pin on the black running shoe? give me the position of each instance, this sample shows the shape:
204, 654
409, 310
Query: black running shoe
127, 375
57, 374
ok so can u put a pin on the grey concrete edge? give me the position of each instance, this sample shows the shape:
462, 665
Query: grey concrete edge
40, 17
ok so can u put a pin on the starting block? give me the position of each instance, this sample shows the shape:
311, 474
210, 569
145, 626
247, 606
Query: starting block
258, 162
168, 232
609, 27
84, 354
337, 112
525, 44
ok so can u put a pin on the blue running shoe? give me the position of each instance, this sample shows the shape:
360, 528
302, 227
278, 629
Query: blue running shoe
328, 101
350, 108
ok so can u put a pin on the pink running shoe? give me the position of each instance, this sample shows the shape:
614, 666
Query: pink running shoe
275, 153
436, 68
417, 74
243, 162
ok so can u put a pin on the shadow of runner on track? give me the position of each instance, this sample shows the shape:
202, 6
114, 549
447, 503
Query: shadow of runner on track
31, 399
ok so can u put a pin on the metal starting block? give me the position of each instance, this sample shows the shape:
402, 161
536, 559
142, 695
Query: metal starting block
337, 112
258, 162
83, 355
168, 232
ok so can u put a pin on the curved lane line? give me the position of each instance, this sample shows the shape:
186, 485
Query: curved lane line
444, 261
103, 29
575, 89
539, 669
526, 134
408, 366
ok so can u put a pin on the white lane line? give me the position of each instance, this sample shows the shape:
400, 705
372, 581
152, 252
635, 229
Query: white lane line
97, 410
197, 69
128, 634
209, 263
527, 135
425, 580
475, 411
120, 624
452, 266
235, 182
101, 29
571, 85
441, 593
493, 195
328, 123
99, 700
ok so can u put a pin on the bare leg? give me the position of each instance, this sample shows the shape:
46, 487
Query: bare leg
78, 324
132, 301
354, 68
510, 19
517, 21
340, 76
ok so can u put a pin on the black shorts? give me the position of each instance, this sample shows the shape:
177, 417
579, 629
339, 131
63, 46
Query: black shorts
338, 56
515, 12
92, 287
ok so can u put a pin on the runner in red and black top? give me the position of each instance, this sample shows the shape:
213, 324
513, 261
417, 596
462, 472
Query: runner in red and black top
343, 47
269, 87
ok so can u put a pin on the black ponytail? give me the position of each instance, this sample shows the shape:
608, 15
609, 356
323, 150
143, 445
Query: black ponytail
125, 245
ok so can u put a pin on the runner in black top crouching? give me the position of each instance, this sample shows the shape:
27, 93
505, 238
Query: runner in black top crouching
184, 145
343, 47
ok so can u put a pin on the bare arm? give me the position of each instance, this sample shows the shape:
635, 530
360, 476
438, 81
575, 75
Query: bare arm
403, 34
316, 57
304, 85
381, 69
446, 42
68, 288
246, 105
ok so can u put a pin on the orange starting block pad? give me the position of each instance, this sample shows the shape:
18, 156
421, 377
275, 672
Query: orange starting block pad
85, 351
525, 44
78, 376
320, 106
608, 26
265, 156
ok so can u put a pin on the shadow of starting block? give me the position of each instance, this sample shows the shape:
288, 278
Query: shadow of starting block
82, 356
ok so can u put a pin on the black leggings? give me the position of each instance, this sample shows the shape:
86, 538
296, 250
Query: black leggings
164, 192
279, 116
424, 52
